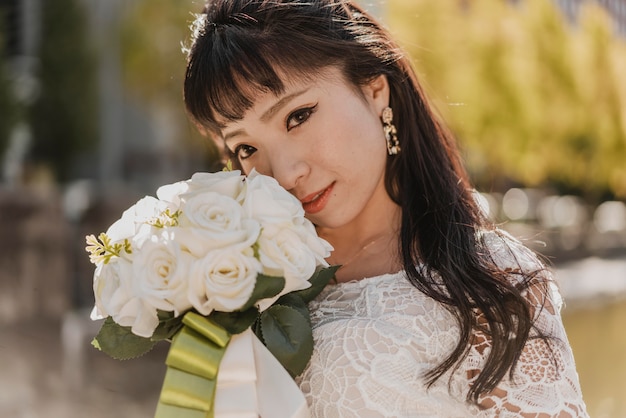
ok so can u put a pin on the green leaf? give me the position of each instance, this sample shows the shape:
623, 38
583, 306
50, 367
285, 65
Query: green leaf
256, 328
319, 280
293, 300
168, 326
265, 287
119, 342
288, 336
235, 322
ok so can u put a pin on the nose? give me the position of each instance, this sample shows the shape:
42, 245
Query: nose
289, 168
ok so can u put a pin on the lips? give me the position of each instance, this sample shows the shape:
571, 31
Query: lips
315, 202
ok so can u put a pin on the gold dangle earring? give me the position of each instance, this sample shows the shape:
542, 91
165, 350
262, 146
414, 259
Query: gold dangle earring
393, 146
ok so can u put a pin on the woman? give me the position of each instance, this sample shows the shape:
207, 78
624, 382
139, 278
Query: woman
435, 313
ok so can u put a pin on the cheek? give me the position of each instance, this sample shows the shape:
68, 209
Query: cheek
366, 145
257, 163
365, 126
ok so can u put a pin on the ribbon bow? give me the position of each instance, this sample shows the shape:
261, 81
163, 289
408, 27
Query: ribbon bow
193, 361
213, 374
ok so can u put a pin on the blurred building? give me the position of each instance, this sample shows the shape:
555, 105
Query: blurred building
21, 24
615, 8
139, 143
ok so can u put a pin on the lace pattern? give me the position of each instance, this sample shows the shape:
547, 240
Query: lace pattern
375, 338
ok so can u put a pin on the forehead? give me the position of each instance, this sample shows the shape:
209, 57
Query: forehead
292, 81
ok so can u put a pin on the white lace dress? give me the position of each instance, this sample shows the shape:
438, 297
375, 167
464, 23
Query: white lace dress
375, 338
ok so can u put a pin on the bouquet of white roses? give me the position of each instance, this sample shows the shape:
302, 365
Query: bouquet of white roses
212, 257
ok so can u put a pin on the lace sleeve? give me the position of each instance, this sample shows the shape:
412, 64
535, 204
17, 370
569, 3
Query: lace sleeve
545, 382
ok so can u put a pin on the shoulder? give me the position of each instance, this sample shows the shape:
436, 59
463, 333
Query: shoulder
507, 252
523, 267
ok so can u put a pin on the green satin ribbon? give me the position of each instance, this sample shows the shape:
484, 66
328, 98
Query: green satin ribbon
192, 363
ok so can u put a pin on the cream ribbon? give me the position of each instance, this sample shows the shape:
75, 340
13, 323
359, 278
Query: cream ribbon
251, 383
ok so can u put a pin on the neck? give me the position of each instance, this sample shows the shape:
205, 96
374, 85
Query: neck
366, 249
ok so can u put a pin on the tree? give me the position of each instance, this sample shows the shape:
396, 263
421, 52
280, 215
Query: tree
63, 117
534, 99
154, 34
9, 108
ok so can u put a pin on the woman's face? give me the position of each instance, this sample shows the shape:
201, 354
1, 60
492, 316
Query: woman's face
323, 142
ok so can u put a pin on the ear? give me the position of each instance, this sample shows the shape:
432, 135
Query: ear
377, 93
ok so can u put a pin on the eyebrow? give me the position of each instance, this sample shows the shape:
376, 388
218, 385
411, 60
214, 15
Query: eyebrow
280, 104
269, 113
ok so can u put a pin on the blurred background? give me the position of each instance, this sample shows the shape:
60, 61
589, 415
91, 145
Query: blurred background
91, 119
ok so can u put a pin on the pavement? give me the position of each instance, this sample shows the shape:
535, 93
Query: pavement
34, 382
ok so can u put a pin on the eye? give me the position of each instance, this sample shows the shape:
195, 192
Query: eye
243, 151
298, 117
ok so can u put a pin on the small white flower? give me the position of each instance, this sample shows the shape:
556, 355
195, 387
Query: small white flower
137, 218
123, 228
223, 280
170, 192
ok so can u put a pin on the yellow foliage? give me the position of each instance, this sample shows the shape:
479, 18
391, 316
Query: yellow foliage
532, 97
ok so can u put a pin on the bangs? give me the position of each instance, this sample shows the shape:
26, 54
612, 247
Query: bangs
226, 75
237, 55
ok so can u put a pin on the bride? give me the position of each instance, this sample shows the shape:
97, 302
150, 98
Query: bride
435, 311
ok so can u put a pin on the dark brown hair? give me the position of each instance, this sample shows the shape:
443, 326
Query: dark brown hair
238, 49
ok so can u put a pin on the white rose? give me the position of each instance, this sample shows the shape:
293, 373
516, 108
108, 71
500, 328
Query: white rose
160, 273
267, 202
227, 183
139, 315
114, 297
199, 242
210, 220
282, 252
211, 211
178, 284
319, 246
111, 287
223, 280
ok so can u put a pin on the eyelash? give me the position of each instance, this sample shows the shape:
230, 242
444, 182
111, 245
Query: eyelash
297, 116
241, 147
300, 116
